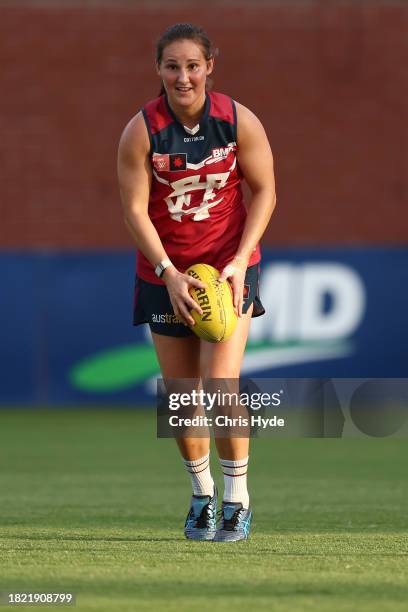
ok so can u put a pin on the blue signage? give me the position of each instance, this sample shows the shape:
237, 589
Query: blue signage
68, 339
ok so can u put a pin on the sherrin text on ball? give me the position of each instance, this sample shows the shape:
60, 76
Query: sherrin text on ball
218, 321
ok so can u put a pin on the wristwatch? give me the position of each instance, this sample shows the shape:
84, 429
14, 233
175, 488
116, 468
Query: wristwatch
161, 267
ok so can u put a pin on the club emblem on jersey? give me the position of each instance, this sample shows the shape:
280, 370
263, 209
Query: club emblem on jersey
179, 200
178, 161
161, 162
170, 162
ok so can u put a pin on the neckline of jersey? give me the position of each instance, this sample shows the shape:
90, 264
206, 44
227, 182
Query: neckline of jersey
203, 116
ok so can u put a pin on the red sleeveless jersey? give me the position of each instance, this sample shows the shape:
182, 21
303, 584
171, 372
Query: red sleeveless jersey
196, 201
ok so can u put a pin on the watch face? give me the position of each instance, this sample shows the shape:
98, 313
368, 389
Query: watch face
161, 267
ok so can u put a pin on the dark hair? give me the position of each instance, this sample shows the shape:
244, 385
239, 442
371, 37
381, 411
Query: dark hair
183, 31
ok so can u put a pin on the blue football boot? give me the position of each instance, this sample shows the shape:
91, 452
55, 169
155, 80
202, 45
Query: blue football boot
201, 519
235, 523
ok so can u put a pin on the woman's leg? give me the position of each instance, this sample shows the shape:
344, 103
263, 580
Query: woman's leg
180, 358
223, 360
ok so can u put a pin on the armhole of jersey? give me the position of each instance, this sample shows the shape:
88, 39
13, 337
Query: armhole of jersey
234, 110
148, 130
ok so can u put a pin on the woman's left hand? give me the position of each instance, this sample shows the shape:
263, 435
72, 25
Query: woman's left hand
235, 271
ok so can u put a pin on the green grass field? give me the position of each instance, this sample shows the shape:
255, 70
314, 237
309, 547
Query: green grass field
92, 502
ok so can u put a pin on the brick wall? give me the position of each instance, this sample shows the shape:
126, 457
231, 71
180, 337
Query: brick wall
329, 81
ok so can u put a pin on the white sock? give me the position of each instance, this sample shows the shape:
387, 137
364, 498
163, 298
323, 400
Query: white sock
235, 481
201, 478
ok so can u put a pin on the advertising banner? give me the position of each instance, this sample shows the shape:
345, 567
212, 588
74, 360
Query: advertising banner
67, 336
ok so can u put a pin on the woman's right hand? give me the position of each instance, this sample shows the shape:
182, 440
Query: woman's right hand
178, 285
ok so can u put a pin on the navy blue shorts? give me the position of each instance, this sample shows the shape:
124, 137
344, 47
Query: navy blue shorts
152, 305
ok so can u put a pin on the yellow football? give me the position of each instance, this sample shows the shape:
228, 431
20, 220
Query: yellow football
218, 320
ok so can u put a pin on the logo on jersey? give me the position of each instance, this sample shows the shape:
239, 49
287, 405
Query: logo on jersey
193, 138
178, 161
179, 200
172, 162
161, 162
222, 152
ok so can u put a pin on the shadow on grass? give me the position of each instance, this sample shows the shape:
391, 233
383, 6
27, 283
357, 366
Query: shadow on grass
250, 548
86, 538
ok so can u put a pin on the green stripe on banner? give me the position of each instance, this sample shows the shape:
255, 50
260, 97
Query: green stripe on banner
122, 367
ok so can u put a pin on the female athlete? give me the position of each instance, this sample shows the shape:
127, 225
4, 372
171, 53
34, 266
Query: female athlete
180, 164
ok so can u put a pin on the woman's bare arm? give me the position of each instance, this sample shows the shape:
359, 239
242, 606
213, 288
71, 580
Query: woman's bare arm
256, 162
135, 178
